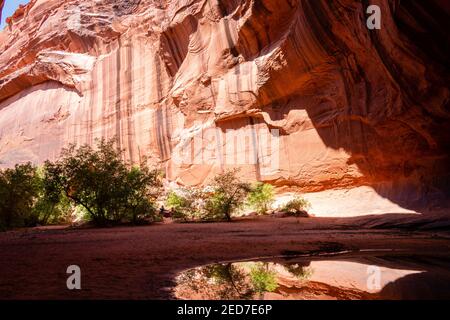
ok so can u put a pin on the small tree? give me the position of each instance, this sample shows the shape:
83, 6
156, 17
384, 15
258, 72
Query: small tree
187, 203
296, 207
299, 271
180, 205
229, 194
142, 188
263, 279
261, 197
102, 183
19, 191
52, 205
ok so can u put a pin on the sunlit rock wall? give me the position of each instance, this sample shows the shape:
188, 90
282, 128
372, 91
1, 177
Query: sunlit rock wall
295, 92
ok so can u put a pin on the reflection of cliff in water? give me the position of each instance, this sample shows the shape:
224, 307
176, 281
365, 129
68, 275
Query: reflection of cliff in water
342, 278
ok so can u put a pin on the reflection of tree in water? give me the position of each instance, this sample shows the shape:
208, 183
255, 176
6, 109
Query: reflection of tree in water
269, 280
263, 279
299, 271
242, 280
228, 281
234, 280
220, 281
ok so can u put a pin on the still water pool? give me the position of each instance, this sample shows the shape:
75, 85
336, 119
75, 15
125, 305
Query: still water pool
361, 276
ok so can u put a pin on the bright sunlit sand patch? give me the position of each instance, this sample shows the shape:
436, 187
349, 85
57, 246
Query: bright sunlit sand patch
353, 202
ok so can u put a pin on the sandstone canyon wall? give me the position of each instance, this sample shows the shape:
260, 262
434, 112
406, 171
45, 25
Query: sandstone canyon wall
2, 3
316, 100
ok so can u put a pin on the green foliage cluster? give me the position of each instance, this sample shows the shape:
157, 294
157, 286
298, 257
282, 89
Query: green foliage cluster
97, 181
261, 197
229, 194
218, 202
299, 271
296, 206
26, 198
263, 279
19, 191
101, 182
224, 196
186, 204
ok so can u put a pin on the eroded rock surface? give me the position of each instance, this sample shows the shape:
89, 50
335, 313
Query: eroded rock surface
2, 3
316, 99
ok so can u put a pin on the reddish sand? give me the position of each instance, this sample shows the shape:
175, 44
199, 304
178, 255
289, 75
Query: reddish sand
141, 262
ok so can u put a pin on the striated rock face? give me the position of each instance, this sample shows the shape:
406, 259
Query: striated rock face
315, 100
2, 3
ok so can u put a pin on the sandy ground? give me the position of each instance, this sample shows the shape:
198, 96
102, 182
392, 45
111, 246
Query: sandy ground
141, 262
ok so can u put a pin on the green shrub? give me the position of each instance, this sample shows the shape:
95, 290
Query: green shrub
52, 206
216, 208
188, 204
103, 184
296, 206
228, 195
19, 191
299, 271
142, 190
27, 199
107, 188
261, 197
181, 206
49, 212
263, 279
218, 201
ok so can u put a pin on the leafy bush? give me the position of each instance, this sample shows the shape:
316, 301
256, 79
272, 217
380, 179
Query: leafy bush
296, 206
52, 206
49, 212
218, 201
188, 204
98, 181
182, 206
228, 195
19, 191
299, 271
261, 197
215, 209
103, 184
263, 279
142, 189
27, 199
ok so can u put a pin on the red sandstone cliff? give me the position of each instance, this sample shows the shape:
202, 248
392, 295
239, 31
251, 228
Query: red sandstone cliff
352, 106
2, 3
